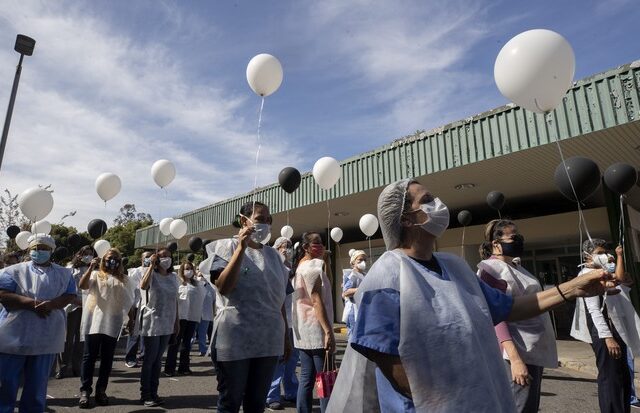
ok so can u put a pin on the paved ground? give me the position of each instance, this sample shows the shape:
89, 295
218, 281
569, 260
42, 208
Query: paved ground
564, 390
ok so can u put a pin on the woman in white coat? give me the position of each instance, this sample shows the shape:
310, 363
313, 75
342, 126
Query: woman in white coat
109, 298
527, 346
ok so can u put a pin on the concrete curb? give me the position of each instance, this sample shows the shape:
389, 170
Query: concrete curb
584, 368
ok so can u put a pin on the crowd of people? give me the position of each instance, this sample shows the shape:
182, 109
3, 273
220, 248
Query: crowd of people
426, 333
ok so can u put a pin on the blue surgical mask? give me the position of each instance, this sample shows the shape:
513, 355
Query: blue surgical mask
40, 256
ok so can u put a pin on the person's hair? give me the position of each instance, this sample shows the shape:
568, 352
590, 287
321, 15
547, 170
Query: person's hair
76, 262
247, 211
299, 252
170, 269
192, 280
118, 273
494, 230
591, 244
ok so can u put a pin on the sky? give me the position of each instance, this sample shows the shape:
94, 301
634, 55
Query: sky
115, 85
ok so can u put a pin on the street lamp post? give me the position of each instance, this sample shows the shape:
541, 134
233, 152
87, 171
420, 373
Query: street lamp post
24, 46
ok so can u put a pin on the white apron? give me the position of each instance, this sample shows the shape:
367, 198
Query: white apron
447, 341
534, 338
248, 321
23, 332
621, 312
190, 301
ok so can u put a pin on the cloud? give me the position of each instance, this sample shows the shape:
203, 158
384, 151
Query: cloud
95, 99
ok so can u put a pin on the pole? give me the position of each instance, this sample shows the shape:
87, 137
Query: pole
7, 119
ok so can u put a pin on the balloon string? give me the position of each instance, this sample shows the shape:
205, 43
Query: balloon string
499, 214
370, 255
328, 223
287, 216
255, 181
621, 229
463, 231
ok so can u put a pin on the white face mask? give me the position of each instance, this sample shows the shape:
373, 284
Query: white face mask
601, 260
165, 263
362, 265
261, 233
87, 259
438, 214
188, 274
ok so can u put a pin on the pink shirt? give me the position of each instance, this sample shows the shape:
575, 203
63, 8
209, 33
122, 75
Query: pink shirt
502, 329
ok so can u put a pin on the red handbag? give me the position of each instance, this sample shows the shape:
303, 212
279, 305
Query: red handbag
326, 379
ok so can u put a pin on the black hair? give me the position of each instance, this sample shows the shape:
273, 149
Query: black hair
76, 262
246, 210
494, 230
299, 252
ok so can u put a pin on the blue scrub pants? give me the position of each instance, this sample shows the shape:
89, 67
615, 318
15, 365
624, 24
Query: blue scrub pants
36, 371
202, 332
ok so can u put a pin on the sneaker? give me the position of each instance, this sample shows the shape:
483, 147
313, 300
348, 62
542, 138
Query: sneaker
102, 399
151, 403
185, 372
83, 403
158, 400
169, 373
131, 364
275, 406
635, 405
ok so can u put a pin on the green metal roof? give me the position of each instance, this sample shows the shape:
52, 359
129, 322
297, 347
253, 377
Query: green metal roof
598, 102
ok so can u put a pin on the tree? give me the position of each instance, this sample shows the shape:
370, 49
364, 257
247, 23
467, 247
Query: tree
128, 214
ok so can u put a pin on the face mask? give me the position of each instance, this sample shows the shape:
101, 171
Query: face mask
261, 233
513, 249
188, 274
112, 263
362, 265
438, 214
165, 263
601, 260
316, 250
40, 256
146, 262
288, 253
87, 259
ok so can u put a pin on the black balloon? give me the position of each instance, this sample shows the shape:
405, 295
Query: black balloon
195, 243
289, 179
60, 253
620, 177
585, 176
495, 200
191, 257
97, 228
13, 231
172, 246
464, 218
74, 240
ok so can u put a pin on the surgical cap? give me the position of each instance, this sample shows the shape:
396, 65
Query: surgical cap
280, 242
41, 239
390, 208
591, 244
355, 254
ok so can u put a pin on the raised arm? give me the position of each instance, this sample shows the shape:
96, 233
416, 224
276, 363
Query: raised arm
228, 278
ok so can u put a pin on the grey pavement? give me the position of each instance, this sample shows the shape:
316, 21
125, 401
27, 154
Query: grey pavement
570, 388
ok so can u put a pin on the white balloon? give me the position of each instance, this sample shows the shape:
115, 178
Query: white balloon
266, 240
163, 172
336, 234
297, 244
351, 251
534, 69
369, 224
41, 227
326, 172
22, 240
108, 185
178, 228
35, 203
165, 226
101, 246
264, 74
286, 231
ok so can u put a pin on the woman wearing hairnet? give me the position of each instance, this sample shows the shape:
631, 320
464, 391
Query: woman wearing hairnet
32, 324
423, 315
350, 285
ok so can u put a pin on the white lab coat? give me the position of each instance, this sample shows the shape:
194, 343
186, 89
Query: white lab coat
23, 332
160, 309
190, 301
621, 312
447, 341
534, 338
